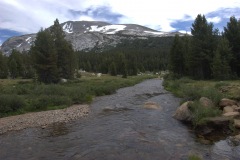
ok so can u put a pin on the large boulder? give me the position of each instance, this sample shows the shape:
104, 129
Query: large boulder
206, 102
227, 102
183, 113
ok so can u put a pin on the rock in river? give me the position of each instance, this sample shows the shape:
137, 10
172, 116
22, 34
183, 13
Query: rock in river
183, 113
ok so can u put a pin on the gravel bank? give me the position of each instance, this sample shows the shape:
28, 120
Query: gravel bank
42, 119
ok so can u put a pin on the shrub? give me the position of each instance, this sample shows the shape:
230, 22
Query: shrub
200, 113
213, 94
191, 92
10, 103
43, 102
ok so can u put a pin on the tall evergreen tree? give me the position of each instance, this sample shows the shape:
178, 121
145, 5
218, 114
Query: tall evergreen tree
204, 41
112, 69
16, 66
232, 33
221, 61
176, 64
45, 56
66, 60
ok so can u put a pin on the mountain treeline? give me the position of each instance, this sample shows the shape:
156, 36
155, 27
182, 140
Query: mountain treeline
129, 57
207, 53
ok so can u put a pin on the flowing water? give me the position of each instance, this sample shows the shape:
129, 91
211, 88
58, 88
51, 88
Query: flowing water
118, 128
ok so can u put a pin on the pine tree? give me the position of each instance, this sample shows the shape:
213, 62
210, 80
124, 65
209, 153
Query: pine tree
3, 66
45, 57
124, 69
16, 66
112, 69
66, 60
176, 64
232, 33
221, 61
204, 41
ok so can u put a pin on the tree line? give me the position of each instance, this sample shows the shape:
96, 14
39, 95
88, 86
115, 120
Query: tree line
129, 57
49, 59
207, 53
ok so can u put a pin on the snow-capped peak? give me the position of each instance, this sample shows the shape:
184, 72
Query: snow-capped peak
67, 27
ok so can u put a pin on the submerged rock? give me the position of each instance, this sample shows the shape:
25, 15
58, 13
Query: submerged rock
151, 105
183, 113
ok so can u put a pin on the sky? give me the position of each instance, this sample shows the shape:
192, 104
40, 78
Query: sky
18, 17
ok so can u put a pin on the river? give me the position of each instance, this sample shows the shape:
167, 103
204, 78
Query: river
118, 128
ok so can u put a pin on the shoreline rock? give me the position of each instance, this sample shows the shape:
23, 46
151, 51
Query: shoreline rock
43, 118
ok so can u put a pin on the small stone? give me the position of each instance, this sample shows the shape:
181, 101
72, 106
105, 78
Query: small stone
206, 102
237, 109
234, 106
236, 123
231, 114
227, 102
228, 109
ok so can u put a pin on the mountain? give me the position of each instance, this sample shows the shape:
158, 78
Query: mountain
89, 35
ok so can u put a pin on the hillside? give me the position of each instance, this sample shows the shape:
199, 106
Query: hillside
88, 35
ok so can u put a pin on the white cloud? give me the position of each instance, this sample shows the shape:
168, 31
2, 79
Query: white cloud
29, 15
214, 19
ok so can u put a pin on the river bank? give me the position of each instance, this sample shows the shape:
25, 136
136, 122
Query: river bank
42, 119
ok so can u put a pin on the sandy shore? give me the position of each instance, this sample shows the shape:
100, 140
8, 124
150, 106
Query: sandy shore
42, 119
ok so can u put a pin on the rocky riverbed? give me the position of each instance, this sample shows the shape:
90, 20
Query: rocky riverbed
42, 119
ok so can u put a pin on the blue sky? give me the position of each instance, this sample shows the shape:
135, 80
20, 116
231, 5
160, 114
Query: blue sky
19, 17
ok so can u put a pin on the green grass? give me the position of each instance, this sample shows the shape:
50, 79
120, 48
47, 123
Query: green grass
200, 113
193, 90
17, 96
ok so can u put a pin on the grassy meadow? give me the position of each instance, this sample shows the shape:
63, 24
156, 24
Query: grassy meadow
19, 96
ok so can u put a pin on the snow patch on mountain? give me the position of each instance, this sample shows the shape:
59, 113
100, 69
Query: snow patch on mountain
67, 27
19, 45
156, 33
27, 40
108, 29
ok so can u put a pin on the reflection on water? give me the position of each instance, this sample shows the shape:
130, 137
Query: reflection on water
118, 128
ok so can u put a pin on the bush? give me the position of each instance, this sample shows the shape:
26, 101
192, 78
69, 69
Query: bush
43, 102
200, 113
191, 92
10, 103
212, 94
